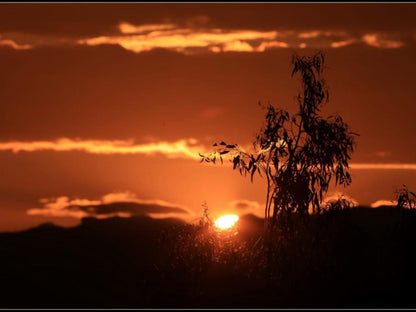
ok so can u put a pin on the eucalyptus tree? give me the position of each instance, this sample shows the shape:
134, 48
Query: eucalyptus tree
298, 154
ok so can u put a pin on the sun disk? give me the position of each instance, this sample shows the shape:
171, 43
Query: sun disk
226, 221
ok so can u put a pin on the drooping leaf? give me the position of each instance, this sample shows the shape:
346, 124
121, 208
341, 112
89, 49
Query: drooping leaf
253, 171
236, 161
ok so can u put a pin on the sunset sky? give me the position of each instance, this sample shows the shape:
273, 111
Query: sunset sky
104, 107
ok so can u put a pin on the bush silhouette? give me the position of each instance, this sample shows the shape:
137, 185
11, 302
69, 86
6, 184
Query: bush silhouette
405, 198
299, 154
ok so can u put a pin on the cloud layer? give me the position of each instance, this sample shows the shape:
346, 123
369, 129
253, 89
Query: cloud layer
140, 38
123, 204
185, 148
190, 39
188, 148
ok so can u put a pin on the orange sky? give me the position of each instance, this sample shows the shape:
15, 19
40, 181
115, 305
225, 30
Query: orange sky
110, 103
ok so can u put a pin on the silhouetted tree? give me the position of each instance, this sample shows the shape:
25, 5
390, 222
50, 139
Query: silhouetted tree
405, 198
299, 154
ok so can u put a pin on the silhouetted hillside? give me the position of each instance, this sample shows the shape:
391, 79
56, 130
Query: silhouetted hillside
360, 258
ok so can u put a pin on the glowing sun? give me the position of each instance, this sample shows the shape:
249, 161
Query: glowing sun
226, 222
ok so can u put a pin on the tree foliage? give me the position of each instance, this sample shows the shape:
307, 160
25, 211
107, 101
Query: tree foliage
298, 154
405, 198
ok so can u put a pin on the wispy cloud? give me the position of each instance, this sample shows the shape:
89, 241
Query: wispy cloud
28, 41
343, 43
271, 44
188, 148
185, 148
127, 28
201, 36
321, 33
140, 38
244, 206
383, 202
380, 41
124, 204
12, 44
385, 166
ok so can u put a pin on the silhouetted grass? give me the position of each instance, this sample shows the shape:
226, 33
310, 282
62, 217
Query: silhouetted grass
345, 258
361, 257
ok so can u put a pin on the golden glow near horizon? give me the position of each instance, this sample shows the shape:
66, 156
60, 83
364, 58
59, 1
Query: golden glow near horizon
226, 222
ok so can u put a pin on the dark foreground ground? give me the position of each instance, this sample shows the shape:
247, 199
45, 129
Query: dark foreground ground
363, 258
